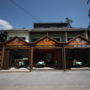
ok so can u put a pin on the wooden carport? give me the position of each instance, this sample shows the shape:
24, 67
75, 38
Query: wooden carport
14, 44
78, 43
47, 44
44, 44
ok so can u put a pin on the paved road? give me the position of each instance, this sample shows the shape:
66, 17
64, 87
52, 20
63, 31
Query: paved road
45, 80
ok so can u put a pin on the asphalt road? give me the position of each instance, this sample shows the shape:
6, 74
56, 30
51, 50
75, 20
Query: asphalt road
45, 80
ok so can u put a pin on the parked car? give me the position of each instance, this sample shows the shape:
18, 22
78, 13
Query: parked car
40, 64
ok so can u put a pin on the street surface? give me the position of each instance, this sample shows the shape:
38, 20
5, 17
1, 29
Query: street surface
45, 80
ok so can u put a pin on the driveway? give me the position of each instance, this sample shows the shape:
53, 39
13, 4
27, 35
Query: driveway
45, 80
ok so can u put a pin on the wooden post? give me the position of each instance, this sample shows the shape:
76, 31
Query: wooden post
3, 53
31, 59
64, 58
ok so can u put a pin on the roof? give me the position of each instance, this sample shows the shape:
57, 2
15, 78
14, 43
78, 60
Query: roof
58, 29
46, 37
8, 41
49, 25
48, 29
17, 29
78, 36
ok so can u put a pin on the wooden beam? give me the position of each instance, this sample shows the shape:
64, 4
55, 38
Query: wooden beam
77, 47
18, 47
42, 47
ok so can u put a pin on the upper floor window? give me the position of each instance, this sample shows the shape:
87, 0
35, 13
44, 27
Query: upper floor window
69, 38
23, 38
34, 39
89, 35
58, 39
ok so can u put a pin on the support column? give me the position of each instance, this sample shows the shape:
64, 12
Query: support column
31, 59
3, 53
64, 58
0, 57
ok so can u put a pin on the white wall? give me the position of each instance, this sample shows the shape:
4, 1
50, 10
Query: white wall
19, 34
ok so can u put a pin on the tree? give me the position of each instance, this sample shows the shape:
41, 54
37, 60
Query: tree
3, 36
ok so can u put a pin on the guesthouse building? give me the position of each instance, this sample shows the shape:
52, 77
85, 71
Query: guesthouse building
57, 44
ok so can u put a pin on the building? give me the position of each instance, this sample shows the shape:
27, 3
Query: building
57, 44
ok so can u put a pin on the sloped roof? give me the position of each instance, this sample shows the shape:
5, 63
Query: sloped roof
58, 29
16, 39
48, 38
78, 36
51, 29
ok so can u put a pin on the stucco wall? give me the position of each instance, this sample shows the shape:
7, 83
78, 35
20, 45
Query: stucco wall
19, 34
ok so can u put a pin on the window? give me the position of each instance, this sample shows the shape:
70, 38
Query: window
69, 38
58, 39
89, 35
23, 38
34, 39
